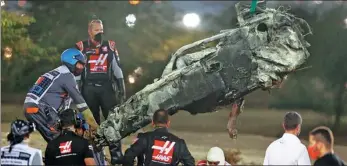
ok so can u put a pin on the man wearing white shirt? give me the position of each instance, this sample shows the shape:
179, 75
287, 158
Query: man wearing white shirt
288, 150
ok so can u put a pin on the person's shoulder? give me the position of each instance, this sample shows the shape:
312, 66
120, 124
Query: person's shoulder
338, 160
80, 44
35, 150
80, 140
140, 135
63, 70
53, 142
273, 144
302, 147
175, 137
83, 140
4, 148
144, 135
112, 45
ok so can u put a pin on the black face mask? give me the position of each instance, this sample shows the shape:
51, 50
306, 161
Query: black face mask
98, 37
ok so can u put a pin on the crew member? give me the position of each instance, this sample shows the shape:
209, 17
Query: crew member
321, 148
215, 156
69, 148
19, 152
102, 83
81, 128
159, 147
288, 150
53, 91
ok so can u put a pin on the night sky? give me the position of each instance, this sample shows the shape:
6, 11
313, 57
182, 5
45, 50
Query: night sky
202, 7
188, 6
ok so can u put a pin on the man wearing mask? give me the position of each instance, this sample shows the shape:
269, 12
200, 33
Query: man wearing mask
101, 83
321, 147
288, 150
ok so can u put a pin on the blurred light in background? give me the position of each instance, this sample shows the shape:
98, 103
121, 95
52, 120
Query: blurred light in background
135, 75
191, 20
134, 2
130, 20
131, 79
345, 21
318, 2
22, 3
138, 71
8, 52
2, 3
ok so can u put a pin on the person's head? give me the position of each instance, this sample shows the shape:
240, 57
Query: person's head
74, 60
96, 30
292, 123
161, 118
68, 119
20, 131
321, 140
81, 126
215, 156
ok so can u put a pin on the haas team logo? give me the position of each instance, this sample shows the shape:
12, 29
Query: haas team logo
98, 63
65, 147
163, 151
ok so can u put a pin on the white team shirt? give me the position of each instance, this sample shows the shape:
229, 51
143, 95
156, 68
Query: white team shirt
21, 154
287, 150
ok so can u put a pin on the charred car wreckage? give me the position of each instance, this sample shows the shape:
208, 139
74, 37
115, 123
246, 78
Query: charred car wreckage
267, 46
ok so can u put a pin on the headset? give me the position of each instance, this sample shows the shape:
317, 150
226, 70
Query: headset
77, 119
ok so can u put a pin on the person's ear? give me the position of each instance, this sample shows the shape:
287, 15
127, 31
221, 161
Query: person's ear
319, 145
168, 123
283, 126
298, 129
153, 123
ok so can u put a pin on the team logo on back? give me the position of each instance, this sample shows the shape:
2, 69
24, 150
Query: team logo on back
163, 151
65, 147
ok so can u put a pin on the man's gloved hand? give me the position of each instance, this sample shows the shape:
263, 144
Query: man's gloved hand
121, 90
89, 118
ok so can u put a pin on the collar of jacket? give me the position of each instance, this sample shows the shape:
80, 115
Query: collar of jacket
92, 44
161, 129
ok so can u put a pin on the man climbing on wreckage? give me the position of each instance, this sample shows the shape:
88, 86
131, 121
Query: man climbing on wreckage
53, 91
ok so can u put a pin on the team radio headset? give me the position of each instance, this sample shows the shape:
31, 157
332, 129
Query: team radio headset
77, 120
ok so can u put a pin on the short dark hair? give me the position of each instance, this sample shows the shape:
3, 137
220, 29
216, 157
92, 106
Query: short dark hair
67, 117
160, 116
292, 120
323, 134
